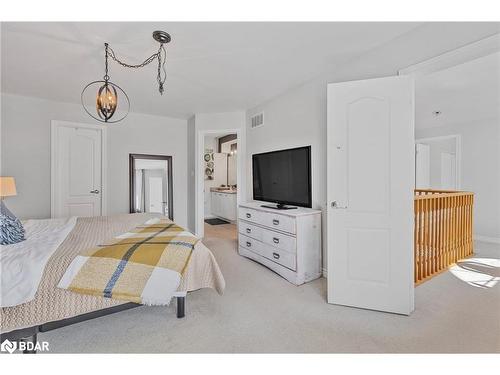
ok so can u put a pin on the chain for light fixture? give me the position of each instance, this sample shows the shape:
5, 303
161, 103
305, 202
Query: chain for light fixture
107, 94
161, 55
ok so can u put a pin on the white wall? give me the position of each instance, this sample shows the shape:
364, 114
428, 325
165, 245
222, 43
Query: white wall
25, 154
480, 169
298, 117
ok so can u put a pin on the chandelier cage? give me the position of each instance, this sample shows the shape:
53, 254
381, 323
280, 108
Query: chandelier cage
107, 103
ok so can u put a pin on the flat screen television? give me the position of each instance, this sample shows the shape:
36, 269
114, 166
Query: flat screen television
283, 177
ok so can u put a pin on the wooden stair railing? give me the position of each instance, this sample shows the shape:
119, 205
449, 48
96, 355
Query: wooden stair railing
443, 230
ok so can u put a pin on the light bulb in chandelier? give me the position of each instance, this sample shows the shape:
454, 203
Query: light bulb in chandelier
107, 101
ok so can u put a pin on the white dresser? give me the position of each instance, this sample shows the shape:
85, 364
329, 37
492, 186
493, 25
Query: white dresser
286, 241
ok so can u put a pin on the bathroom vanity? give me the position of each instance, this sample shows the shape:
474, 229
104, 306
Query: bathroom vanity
223, 203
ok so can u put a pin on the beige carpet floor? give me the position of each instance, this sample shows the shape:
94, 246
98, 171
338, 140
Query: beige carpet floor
261, 312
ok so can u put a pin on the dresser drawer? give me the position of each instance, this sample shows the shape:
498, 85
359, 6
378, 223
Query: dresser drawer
250, 244
249, 215
279, 240
250, 230
279, 222
279, 256
275, 254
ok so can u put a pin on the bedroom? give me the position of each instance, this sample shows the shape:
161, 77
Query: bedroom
127, 200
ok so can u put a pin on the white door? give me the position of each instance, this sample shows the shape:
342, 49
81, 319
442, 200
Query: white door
155, 195
422, 166
371, 175
76, 170
448, 171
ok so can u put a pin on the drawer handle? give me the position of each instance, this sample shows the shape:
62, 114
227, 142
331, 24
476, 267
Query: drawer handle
249, 244
249, 216
276, 240
248, 230
276, 221
276, 256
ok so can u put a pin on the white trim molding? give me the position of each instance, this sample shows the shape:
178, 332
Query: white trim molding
104, 161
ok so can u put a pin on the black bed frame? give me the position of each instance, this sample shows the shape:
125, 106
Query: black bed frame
30, 333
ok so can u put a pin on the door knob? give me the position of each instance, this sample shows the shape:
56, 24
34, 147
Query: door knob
94, 191
337, 207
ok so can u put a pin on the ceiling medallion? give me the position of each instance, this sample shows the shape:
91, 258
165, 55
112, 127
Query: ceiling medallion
108, 108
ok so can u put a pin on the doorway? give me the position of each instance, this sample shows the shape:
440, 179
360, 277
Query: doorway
151, 184
220, 184
438, 162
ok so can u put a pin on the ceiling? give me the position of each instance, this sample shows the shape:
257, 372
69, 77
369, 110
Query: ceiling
211, 67
469, 92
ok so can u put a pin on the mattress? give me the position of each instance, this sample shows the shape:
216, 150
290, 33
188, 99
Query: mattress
52, 303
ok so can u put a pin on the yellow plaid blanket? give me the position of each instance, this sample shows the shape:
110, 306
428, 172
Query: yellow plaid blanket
142, 266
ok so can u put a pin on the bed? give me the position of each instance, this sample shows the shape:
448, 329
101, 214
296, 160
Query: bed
53, 307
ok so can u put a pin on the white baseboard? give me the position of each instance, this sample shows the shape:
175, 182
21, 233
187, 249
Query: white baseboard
495, 240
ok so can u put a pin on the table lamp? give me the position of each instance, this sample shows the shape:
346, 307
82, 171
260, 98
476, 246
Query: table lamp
7, 189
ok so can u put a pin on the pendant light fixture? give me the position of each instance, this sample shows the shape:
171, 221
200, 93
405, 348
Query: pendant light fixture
111, 102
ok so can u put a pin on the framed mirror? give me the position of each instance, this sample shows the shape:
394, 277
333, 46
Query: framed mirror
151, 184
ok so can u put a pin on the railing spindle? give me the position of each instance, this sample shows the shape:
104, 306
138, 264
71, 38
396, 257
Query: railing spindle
442, 230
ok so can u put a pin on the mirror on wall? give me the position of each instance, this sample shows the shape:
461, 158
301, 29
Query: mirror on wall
151, 184
230, 148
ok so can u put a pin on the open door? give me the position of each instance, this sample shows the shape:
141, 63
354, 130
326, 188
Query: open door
371, 176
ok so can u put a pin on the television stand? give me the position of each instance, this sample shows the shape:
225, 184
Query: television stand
288, 242
279, 207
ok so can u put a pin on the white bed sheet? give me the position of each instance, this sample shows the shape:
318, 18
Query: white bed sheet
22, 264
